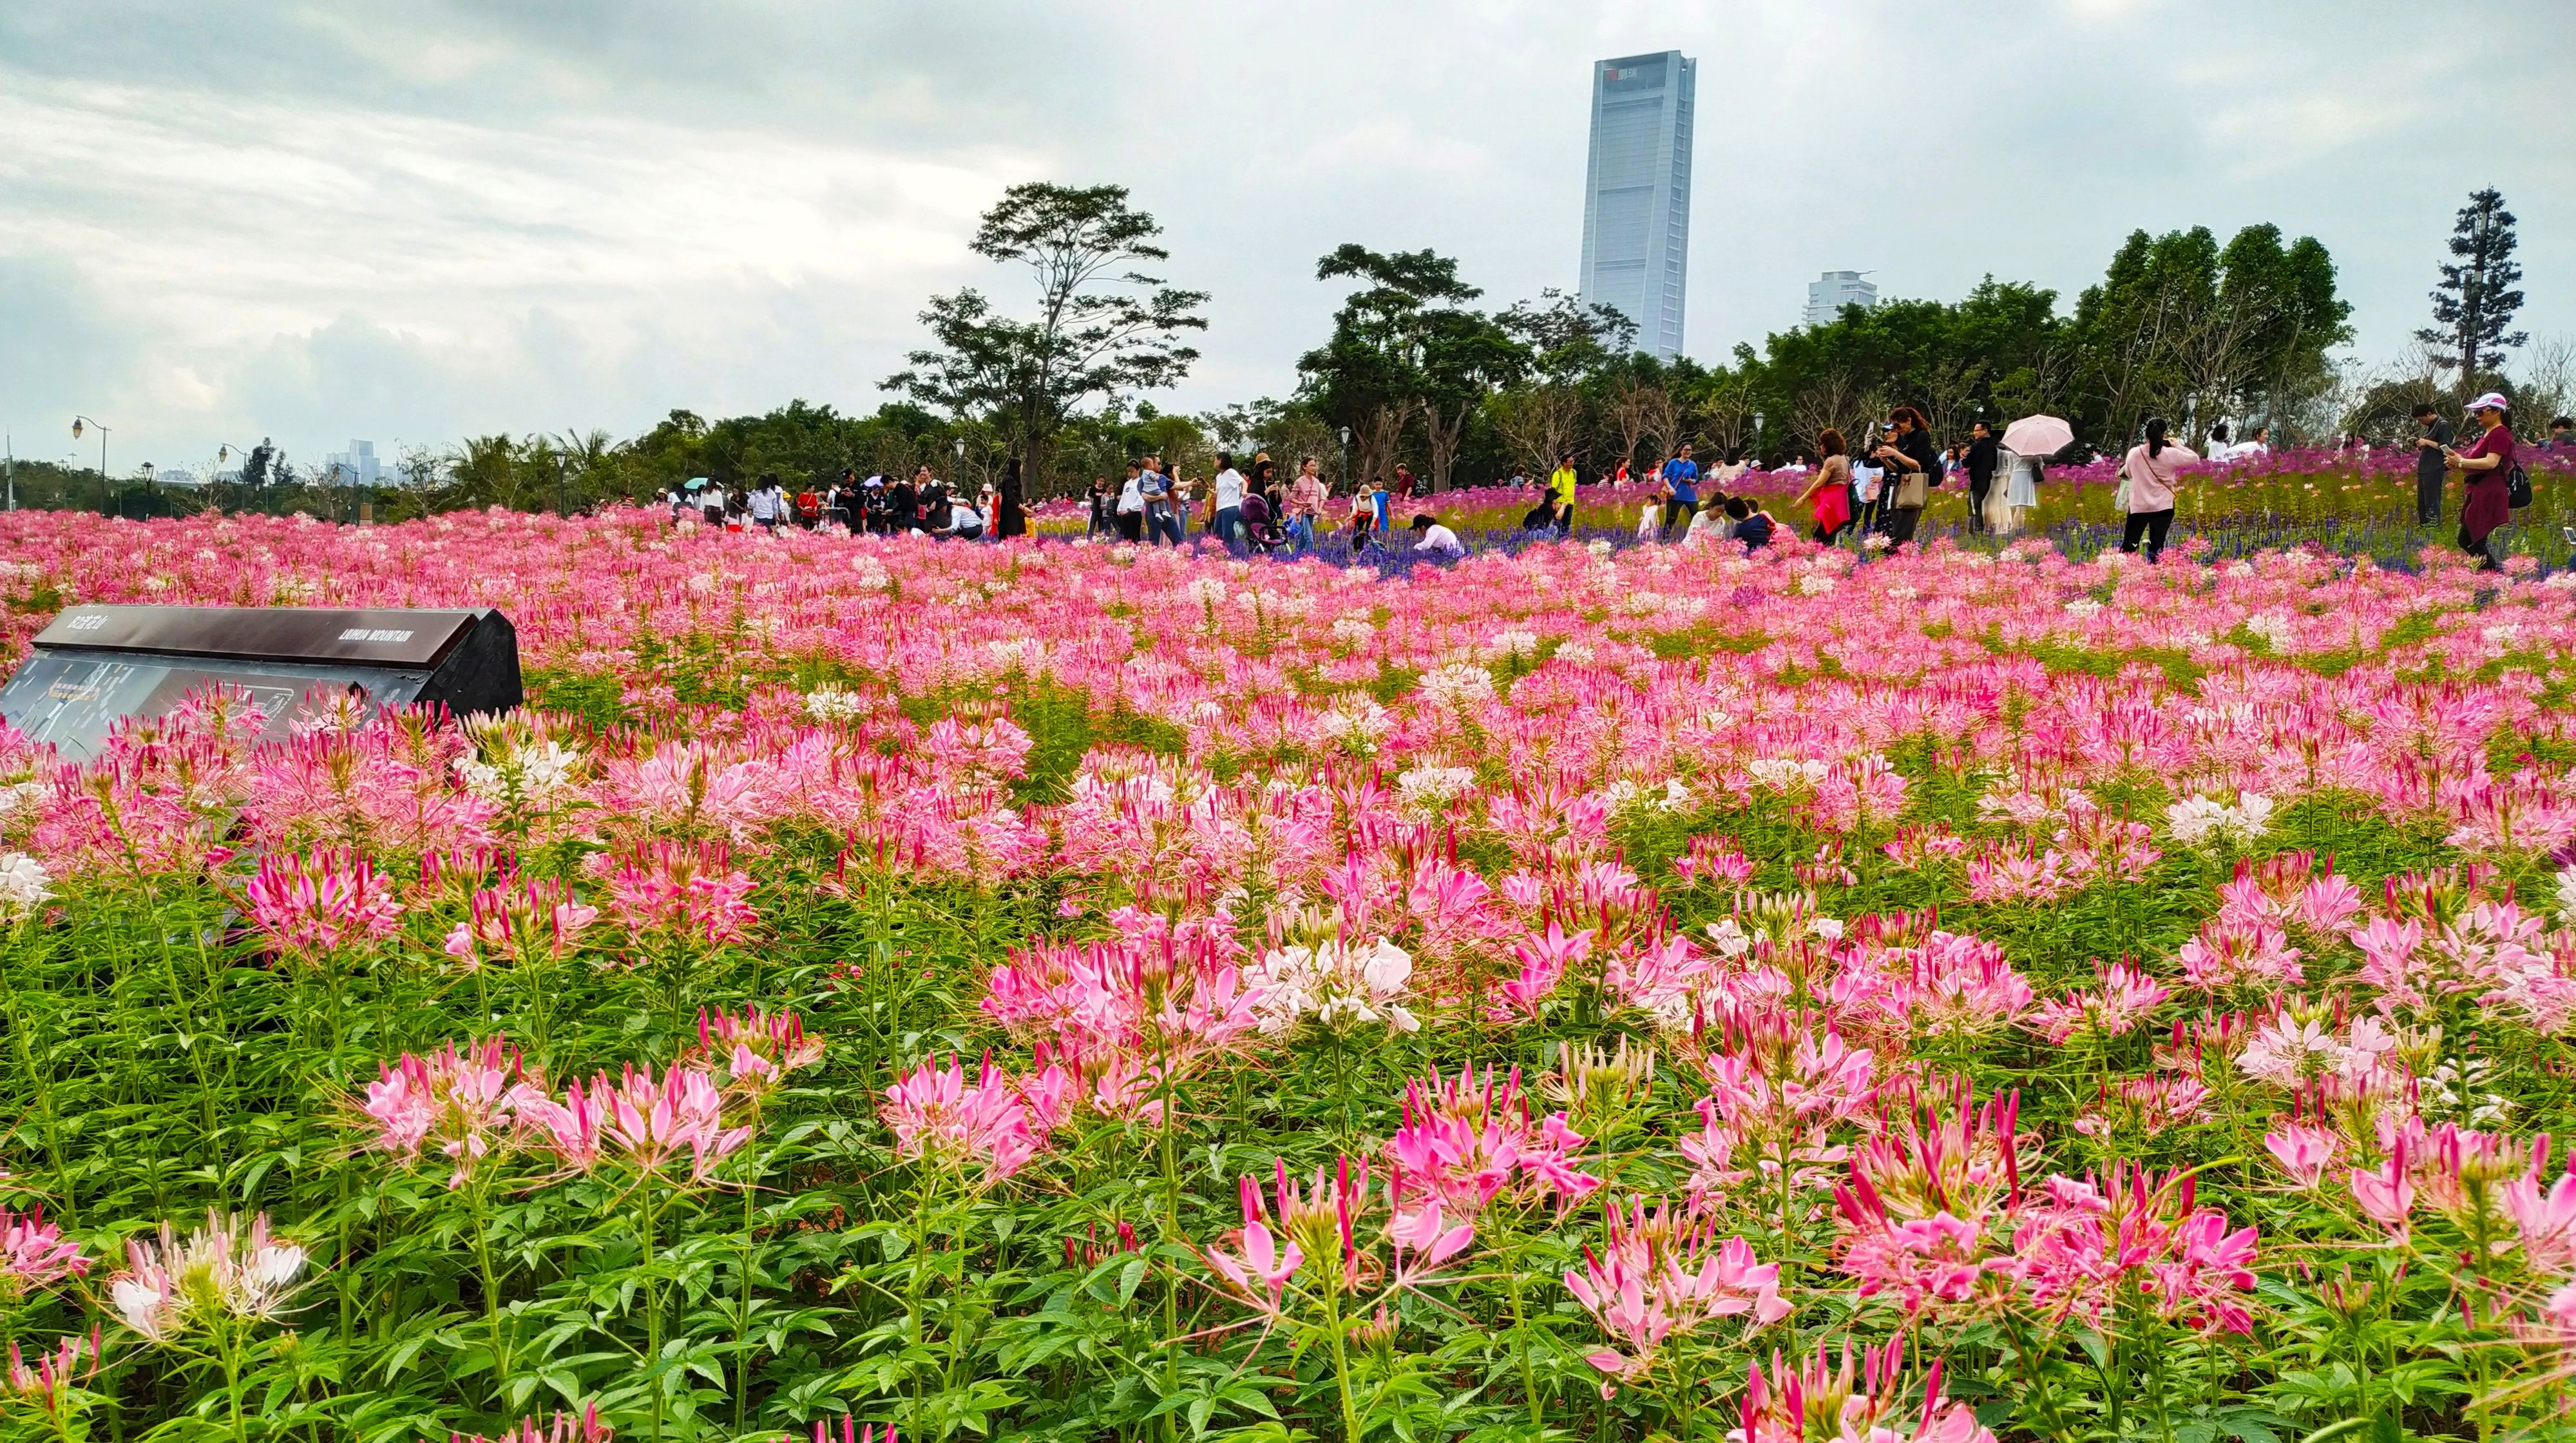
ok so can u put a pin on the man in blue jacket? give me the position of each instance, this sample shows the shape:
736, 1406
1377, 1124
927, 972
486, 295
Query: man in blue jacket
1681, 490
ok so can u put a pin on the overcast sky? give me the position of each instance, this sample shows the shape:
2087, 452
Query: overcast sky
323, 219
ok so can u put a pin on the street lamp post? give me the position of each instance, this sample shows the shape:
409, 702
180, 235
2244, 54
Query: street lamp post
223, 452
108, 492
151, 494
1346, 455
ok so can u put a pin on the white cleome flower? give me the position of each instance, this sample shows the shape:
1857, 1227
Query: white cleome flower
25, 885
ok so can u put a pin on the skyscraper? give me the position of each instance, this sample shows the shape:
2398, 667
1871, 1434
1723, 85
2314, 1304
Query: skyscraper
1827, 294
1636, 202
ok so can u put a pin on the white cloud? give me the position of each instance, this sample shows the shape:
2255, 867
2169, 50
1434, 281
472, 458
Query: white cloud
429, 218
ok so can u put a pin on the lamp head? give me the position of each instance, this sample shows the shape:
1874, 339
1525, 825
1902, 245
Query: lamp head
76, 428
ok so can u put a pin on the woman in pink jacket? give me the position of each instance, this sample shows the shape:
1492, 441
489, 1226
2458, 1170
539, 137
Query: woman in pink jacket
2151, 471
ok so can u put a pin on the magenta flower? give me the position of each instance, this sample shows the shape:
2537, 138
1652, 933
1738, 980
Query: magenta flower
2080, 1244
463, 1105
1544, 960
1260, 1273
683, 890
43, 1384
2304, 1151
2544, 1214
851, 1432
583, 1427
1816, 1402
1464, 1141
34, 1254
752, 1050
1927, 1195
519, 921
937, 1117
2386, 1195
640, 1122
2122, 999
313, 903
1662, 1273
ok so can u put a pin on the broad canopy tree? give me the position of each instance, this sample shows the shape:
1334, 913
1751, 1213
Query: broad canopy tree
1103, 327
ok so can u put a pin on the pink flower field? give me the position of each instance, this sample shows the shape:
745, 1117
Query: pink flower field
1064, 991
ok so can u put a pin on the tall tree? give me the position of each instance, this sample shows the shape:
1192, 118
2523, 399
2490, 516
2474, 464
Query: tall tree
1103, 327
1467, 357
2476, 299
1370, 374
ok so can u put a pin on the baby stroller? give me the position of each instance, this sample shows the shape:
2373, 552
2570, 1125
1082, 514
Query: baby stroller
1262, 533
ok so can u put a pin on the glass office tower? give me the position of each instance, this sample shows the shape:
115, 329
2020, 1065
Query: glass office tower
1636, 201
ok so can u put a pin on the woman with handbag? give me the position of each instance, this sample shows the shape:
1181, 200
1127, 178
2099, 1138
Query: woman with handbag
2147, 477
2485, 471
1913, 465
1831, 490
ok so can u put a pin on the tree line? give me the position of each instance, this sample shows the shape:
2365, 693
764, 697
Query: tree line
1418, 368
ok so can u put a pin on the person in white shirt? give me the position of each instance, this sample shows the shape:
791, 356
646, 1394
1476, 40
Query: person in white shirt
763, 504
1708, 523
1130, 515
1228, 496
1436, 540
965, 523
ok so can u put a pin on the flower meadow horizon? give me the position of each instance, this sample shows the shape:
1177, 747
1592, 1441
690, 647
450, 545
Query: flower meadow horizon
1097, 991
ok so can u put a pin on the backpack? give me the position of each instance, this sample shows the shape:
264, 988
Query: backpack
2517, 488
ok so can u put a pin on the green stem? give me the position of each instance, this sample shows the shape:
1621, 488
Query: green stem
1341, 1355
652, 1312
231, 1347
491, 1295
1520, 1341
1171, 1235
750, 1260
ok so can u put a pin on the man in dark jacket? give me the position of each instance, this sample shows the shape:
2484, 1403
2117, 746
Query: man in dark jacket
903, 506
2429, 472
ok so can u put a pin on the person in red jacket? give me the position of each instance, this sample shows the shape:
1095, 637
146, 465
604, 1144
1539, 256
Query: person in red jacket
2483, 469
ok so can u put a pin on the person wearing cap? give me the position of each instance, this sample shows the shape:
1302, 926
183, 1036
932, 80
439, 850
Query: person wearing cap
2483, 469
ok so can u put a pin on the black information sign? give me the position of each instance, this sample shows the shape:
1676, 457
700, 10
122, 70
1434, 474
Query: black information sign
95, 664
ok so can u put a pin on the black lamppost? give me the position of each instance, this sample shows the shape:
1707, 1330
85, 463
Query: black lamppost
107, 492
1346, 455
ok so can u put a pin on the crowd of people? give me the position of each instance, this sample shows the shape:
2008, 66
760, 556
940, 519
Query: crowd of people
1253, 511
920, 504
1872, 493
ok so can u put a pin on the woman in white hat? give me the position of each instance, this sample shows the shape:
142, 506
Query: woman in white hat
2483, 469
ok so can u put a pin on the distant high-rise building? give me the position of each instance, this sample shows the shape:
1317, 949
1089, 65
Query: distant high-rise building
1636, 200
1829, 293
356, 466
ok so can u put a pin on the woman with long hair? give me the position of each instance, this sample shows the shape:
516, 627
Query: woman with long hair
1831, 490
2152, 468
1913, 469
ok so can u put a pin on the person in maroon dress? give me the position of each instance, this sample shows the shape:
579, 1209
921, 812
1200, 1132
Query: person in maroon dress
2483, 469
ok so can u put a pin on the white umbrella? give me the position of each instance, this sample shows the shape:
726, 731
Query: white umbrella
2040, 436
